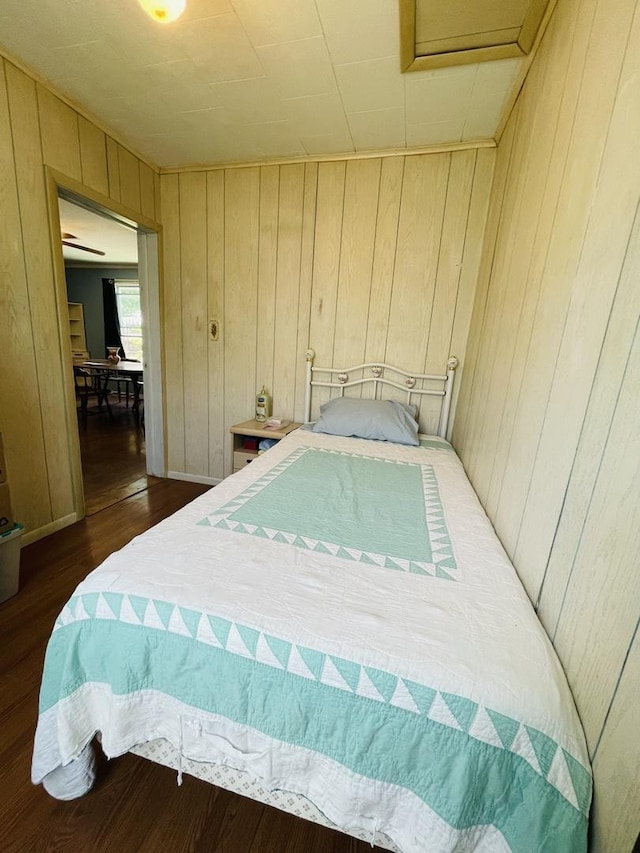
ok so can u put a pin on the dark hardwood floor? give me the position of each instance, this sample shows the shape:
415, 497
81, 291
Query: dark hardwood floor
135, 805
113, 455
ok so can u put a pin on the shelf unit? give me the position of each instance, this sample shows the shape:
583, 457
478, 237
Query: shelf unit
77, 333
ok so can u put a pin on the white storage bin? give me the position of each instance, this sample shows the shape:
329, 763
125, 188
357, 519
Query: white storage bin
10, 561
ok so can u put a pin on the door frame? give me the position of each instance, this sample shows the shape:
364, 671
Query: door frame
149, 232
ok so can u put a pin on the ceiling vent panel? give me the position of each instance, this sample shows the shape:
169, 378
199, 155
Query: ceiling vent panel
435, 34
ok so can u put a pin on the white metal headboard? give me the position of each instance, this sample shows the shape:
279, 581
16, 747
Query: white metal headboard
381, 375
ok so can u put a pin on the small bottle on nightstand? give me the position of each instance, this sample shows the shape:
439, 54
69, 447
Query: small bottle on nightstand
263, 405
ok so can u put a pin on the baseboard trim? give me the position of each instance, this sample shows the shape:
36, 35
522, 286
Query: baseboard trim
33, 535
194, 478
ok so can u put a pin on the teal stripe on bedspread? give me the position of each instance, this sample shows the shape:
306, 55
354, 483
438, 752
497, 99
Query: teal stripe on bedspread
464, 780
338, 503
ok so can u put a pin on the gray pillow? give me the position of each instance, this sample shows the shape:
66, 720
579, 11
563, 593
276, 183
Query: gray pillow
383, 420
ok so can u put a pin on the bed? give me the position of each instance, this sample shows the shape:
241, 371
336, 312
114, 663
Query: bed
334, 630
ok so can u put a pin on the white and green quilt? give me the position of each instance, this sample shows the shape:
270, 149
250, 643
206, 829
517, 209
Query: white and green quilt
339, 620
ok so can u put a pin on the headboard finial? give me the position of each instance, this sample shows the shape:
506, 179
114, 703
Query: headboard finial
309, 355
452, 363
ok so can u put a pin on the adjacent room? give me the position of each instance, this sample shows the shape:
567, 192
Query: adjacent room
319, 434
103, 293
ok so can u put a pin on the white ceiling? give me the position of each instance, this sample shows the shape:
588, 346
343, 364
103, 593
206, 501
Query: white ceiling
236, 80
119, 243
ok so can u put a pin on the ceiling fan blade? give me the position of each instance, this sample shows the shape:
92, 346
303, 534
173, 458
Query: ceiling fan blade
67, 236
82, 248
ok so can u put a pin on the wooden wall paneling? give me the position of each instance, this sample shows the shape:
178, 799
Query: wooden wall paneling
551, 129
267, 272
215, 267
129, 179
362, 186
583, 156
147, 190
454, 229
469, 430
242, 210
462, 435
601, 259
19, 400
471, 264
519, 236
326, 266
621, 330
420, 226
447, 276
477, 453
384, 256
23, 107
113, 168
616, 804
548, 287
600, 609
193, 271
419, 230
172, 303
290, 206
156, 194
93, 156
306, 277
59, 134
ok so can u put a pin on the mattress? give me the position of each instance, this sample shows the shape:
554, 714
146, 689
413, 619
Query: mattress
339, 621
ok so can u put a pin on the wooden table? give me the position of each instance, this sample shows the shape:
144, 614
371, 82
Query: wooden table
133, 369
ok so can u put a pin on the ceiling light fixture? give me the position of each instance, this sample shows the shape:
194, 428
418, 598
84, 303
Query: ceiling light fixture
163, 11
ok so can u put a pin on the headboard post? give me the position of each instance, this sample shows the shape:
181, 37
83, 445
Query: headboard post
307, 391
448, 393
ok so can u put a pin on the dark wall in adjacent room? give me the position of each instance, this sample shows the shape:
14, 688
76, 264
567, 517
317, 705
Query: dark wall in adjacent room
84, 284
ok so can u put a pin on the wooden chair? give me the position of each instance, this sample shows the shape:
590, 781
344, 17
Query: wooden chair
90, 384
123, 384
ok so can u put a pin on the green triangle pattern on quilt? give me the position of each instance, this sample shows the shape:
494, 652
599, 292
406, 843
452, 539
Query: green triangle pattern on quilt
464, 710
348, 670
440, 573
544, 748
280, 648
506, 727
423, 696
581, 781
164, 611
250, 637
139, 605
191, 619
384, 682
114, 600
435, 523
220, 628
90, 602
313, 659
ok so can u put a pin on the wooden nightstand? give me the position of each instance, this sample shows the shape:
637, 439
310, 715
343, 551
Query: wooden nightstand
243, 454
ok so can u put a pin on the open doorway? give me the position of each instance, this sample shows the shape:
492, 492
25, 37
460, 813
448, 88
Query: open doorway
104, 305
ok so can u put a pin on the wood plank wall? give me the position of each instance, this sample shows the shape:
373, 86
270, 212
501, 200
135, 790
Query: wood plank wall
38, 129
360, 259
548, 420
